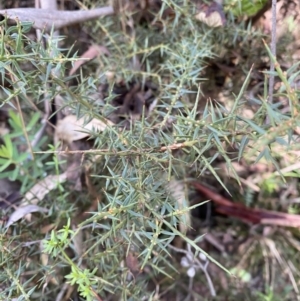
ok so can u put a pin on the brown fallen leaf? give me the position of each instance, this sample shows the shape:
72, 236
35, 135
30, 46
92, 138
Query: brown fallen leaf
47, 228
74, 171
212, 15
22, 212
9, 193
78, 240
43, 187
71, 129
132, 263
178, 190
91, 53
249, 215
71, 132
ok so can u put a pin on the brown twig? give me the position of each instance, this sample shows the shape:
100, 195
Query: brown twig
164, 148
246, 214
125, 152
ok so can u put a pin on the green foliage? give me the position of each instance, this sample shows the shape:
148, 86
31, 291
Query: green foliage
130, 168
245, 7
271, 296
24, 168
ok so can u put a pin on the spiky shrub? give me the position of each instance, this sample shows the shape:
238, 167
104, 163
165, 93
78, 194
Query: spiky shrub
123, 245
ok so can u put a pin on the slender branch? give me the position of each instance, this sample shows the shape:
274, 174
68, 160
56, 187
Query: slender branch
126, 152
12, 77
273, 50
